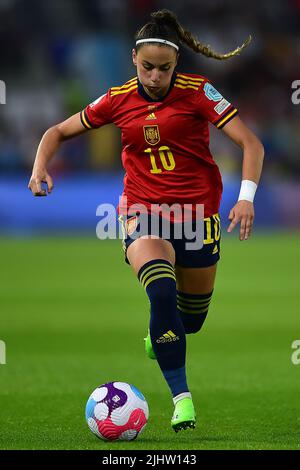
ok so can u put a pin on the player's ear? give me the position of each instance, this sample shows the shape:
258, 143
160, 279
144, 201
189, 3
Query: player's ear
177, 58
134, 57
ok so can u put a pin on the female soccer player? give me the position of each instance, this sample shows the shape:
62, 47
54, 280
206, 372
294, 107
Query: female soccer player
164, 116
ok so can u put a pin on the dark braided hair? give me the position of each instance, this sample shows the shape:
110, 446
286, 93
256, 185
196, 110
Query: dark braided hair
164, 25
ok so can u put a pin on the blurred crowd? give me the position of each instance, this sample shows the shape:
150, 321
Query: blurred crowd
58, 56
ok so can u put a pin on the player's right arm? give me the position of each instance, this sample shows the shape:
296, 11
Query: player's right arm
49, 145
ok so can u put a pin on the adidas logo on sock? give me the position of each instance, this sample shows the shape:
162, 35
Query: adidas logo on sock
168, 337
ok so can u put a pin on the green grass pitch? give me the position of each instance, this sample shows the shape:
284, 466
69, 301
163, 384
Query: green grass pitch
73, 316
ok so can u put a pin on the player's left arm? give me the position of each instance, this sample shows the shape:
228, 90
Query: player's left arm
253, 155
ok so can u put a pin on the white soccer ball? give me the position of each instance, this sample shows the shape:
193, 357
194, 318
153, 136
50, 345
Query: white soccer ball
116, 411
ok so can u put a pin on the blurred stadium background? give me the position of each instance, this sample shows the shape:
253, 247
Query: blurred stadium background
58, 299
58, 56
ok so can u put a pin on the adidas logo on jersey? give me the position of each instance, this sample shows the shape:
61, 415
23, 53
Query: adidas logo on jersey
150, 116
168, 337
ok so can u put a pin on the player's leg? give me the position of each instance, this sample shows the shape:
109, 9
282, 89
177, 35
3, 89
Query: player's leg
195, 275
152, 260
142, 253
194, 292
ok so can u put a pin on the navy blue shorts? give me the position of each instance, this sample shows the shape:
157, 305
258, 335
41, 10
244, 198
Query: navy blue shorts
207, 255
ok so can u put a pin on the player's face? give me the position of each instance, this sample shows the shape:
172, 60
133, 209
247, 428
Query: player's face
155, 66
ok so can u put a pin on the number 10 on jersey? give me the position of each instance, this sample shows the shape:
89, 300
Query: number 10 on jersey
164, 159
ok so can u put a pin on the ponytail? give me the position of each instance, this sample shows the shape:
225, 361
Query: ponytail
164, 25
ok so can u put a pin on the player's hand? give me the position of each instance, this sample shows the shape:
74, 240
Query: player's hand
242, 212
37, 178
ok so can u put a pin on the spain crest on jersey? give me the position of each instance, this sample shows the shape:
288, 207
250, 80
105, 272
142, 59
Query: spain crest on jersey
151, 134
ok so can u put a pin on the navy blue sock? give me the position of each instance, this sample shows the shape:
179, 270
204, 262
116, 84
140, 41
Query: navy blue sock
193, 309
166, 328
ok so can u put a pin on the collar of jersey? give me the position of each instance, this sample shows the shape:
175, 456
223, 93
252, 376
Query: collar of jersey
142, 92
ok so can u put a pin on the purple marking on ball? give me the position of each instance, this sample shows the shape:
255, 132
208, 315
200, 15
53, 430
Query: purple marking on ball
115, 397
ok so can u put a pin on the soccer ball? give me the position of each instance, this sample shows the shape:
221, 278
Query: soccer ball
116, 411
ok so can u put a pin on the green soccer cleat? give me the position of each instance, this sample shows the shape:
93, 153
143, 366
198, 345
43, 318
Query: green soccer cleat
184, 415
148, 347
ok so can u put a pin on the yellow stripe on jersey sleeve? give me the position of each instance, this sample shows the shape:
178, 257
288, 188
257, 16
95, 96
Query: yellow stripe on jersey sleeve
193, 79
185, 86
122, 90
134, 79
184, 82
84, 120
126, 85
227, 118
187, 82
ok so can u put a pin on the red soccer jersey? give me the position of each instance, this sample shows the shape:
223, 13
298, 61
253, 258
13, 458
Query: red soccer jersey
165, 142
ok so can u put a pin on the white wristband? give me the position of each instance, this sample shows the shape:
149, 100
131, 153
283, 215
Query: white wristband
247, 192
